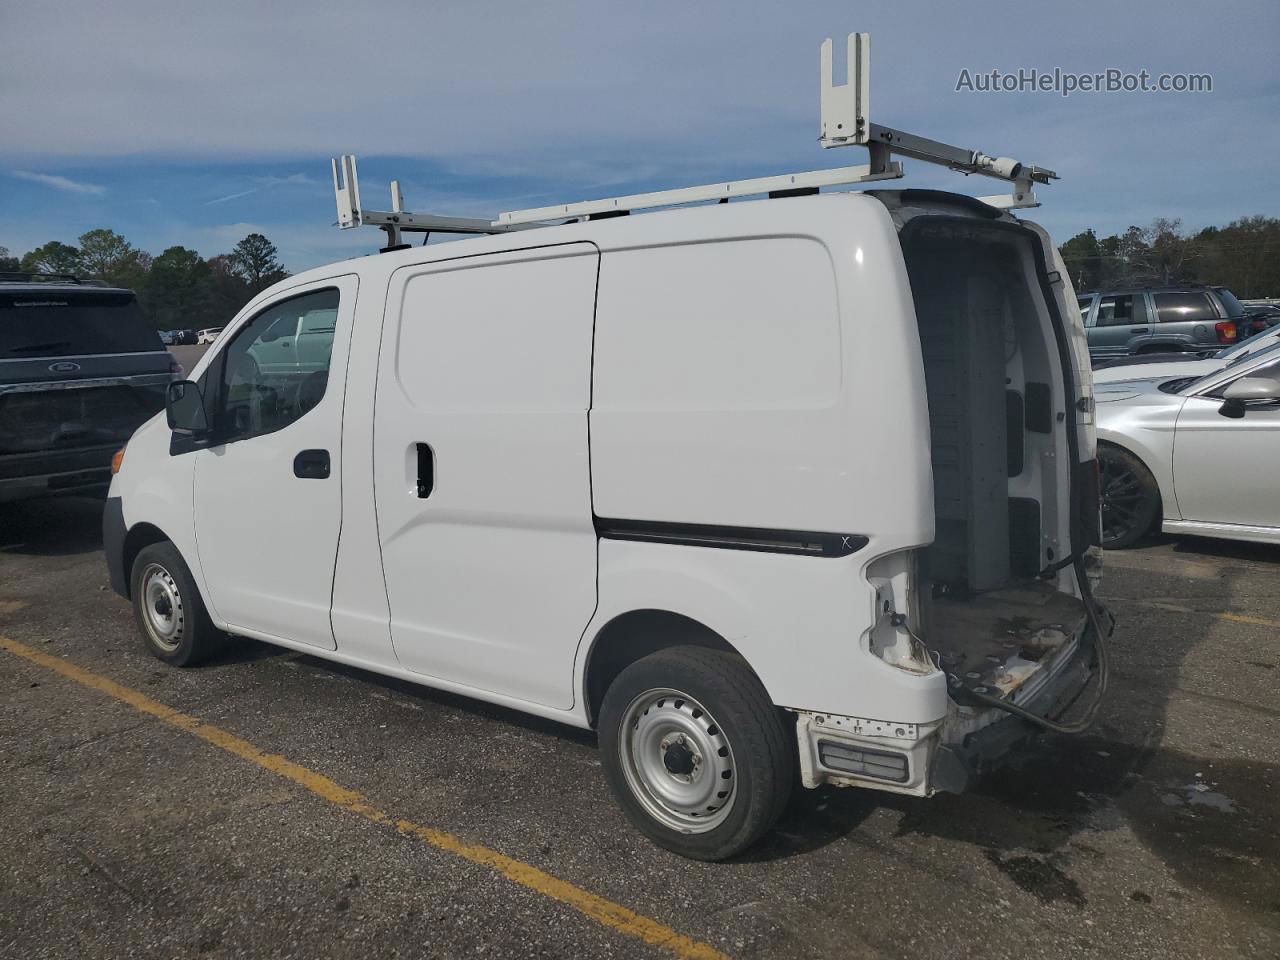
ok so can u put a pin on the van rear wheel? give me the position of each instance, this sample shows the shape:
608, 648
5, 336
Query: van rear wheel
169, 610
695, 752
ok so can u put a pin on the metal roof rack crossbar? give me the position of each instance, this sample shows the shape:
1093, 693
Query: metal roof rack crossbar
397, 220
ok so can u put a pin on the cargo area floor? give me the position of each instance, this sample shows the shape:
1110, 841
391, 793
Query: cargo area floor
996, 641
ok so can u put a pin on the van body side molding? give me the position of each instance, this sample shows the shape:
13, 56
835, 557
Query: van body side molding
800, 542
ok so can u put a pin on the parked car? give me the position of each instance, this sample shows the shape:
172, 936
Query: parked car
1262, 316
170, 337
208, 335
1196, 455
642, 475
1175, 319
80, 369
1169, 365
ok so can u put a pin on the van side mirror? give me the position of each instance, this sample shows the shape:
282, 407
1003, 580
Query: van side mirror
184, 408
1248, 390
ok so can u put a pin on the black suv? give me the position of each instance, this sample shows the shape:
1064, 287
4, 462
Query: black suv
1174, 319
80, 370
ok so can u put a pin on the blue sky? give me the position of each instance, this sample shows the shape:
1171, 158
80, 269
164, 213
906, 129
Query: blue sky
194, 124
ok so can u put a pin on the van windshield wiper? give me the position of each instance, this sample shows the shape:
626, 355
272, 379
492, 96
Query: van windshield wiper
32, 347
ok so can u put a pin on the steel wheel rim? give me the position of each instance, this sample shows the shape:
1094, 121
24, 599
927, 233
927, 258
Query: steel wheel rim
677, 761
1122, 497
162, 608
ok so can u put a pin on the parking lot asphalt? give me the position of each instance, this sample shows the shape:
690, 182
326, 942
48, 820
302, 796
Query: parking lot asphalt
273, 804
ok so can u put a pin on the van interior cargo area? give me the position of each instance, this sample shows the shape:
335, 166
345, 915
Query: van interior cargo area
998, 642
992, 369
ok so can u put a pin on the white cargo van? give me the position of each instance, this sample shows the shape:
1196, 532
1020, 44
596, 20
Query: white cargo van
801, 484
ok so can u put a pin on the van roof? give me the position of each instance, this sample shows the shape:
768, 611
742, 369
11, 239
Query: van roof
825, 212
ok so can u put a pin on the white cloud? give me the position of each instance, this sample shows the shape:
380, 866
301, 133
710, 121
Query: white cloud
60, 183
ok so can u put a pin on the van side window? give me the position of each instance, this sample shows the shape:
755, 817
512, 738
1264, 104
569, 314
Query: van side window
1122, 310
1084, 303
1175, 307
276, 367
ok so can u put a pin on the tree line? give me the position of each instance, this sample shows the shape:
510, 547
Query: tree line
180, 289
1243, 256
177, 289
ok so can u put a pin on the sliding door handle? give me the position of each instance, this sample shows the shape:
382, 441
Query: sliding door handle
426, 479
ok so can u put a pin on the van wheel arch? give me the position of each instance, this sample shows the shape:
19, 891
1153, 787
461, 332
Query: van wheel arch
140, 536
637, 634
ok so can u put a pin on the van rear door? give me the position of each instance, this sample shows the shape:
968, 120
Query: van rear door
481, 468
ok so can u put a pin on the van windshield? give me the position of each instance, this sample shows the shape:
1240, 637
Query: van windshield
61, 323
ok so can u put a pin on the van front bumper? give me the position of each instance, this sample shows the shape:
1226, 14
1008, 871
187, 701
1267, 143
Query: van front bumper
113, 535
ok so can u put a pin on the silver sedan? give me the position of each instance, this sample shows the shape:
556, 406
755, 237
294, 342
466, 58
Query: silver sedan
1197, 455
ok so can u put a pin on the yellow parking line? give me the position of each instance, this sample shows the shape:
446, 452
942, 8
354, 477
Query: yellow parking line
611, 914
1179, 608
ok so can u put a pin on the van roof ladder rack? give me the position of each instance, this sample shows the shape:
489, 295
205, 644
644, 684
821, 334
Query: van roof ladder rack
846, 122
396, 221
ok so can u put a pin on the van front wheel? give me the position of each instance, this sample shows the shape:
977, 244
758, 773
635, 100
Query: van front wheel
169, 610
695, 752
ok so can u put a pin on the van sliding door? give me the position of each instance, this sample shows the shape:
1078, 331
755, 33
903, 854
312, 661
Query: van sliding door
483, 489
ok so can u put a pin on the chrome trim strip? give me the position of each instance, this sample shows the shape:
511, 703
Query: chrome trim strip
87, 356
141, 380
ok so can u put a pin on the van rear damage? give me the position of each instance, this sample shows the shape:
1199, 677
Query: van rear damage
1000, 601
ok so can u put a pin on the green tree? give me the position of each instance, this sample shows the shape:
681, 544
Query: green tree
1169, 252
53, 257
178, 289
8, 264
1083, 257
254, 261
107, 256
1244, 255
227, 292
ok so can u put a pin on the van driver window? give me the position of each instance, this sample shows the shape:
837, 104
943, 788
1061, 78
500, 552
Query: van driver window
277, 366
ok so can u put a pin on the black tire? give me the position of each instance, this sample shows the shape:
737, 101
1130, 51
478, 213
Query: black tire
164, 592
1130, 498
739, 716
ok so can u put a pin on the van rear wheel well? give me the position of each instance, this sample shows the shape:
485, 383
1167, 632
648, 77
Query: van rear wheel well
635, 635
